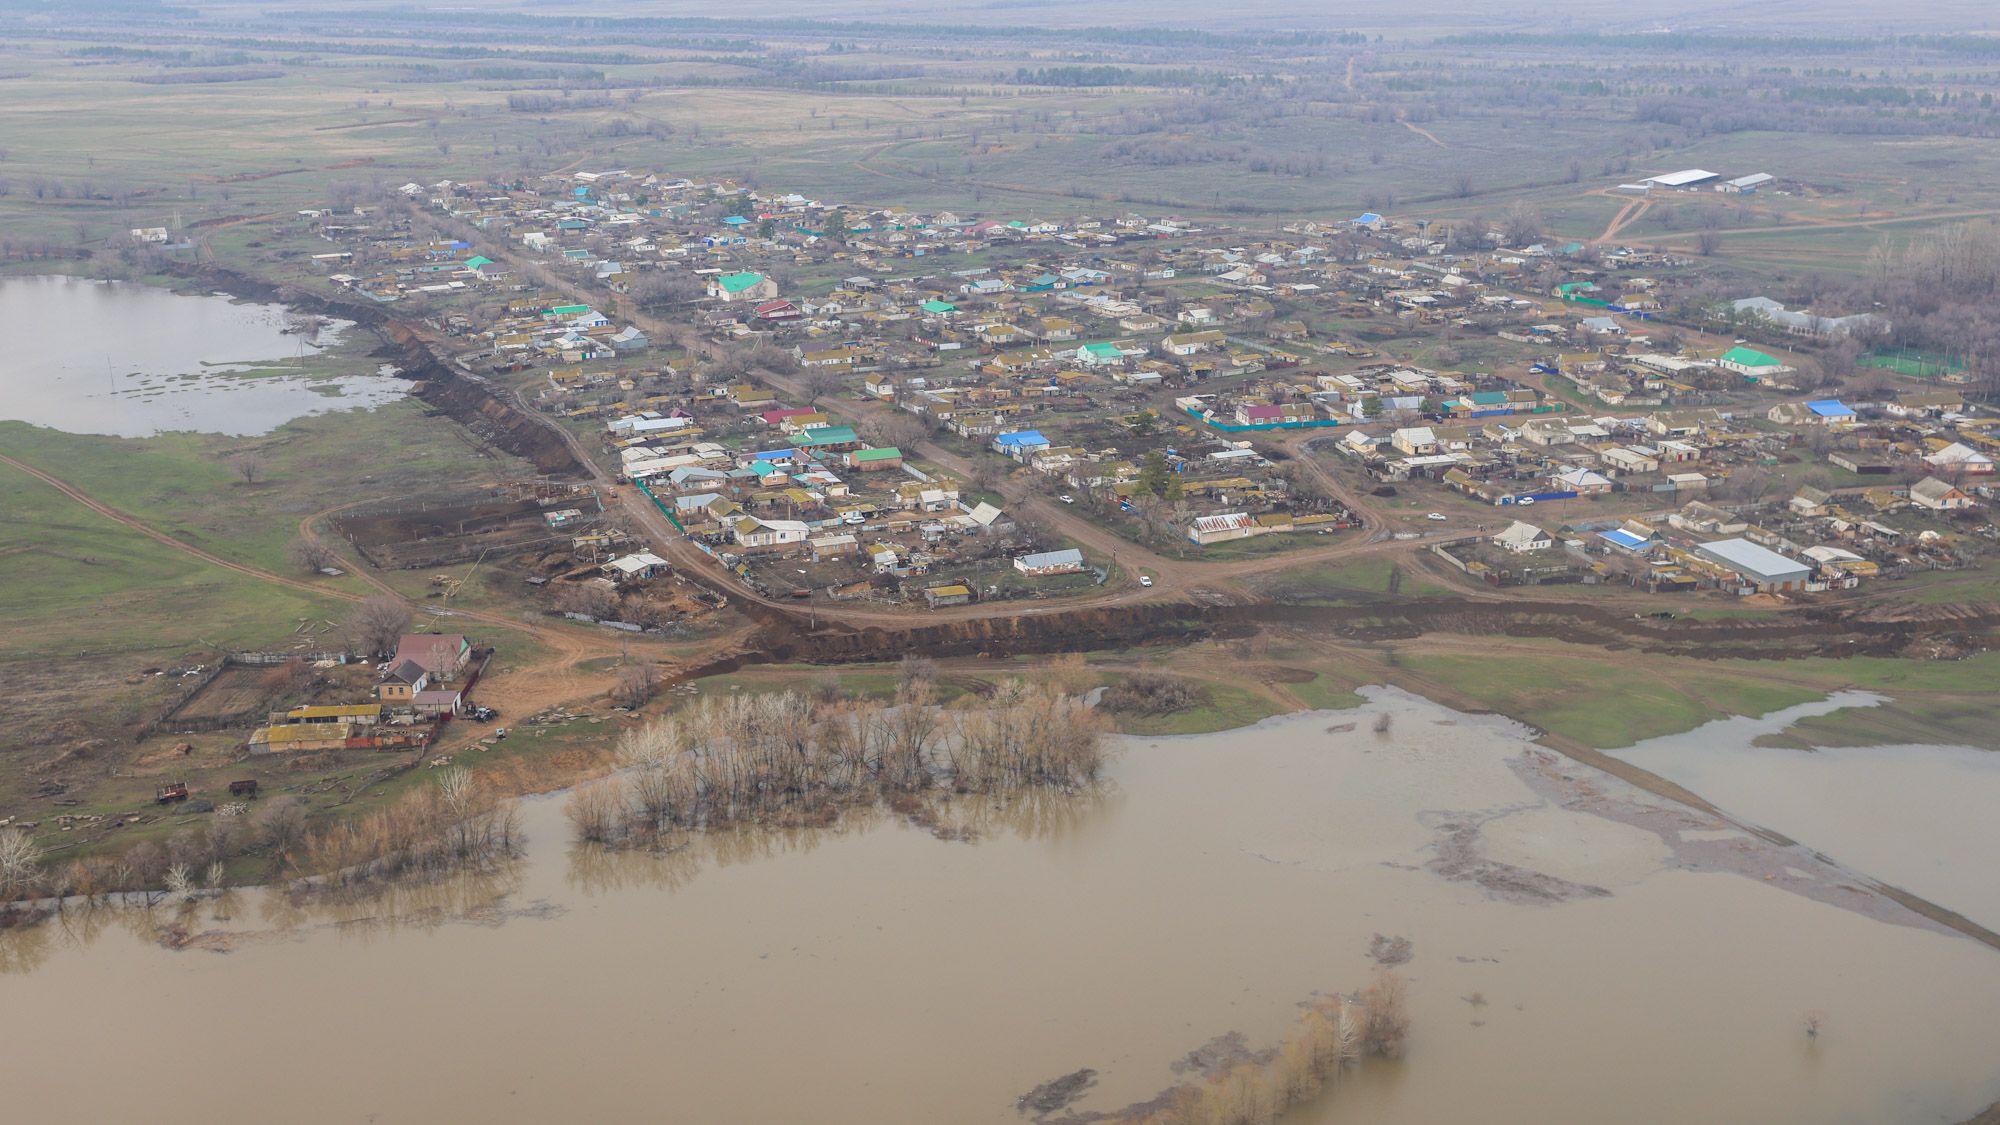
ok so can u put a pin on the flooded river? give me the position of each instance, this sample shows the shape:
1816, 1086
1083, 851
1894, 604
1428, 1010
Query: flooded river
1580, 952
1908, 815
131, 360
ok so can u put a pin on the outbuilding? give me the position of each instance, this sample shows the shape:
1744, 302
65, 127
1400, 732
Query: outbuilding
1050, 562
1757, 566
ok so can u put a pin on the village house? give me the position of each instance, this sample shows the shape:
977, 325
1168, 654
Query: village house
1521, 538
743, 287
443, 656
874, 460
1939, 496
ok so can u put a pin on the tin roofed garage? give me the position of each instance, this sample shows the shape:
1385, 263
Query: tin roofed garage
1757, 566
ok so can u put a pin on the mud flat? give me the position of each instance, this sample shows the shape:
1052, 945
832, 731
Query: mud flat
1577, 950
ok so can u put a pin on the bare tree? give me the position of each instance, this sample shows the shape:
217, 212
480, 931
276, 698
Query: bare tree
250, 466
20, 863
377, 623
1523, 225
279, 825
311, 555
1385, 1015
915, 671
636, 684
901, 430
820, 382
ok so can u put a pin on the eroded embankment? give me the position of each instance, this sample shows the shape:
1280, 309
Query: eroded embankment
786, 636
480, 406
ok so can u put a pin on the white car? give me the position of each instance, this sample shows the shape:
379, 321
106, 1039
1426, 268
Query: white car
1525, 500
1067, 499
1438, 516
1145, 580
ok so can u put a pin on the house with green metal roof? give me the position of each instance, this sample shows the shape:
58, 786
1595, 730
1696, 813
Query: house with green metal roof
1751, 363
829, 437
935, 306
1100, 354
873, 460
743, 287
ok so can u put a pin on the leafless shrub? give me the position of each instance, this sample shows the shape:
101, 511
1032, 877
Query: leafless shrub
440, 827
1150, 693
592, 809
1384, 1006
914, 670
1256, 1088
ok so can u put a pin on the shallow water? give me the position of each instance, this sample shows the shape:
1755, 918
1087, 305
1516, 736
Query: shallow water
1918, 817
877, 974
131, 360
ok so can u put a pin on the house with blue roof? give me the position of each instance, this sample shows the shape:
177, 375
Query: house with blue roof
1623, 540
1020, 444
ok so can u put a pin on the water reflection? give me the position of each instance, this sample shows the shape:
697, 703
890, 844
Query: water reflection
132, 360
676, 860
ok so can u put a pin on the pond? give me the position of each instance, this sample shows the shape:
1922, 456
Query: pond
131, 360
1579, 951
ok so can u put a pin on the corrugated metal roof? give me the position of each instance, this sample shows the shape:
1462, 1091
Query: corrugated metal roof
1043, 559
1753, 561
338, 711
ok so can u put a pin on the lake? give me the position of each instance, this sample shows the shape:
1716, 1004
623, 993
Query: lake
1581, 952
95, 357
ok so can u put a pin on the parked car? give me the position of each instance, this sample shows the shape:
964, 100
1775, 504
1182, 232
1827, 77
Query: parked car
1067, 498
1438, 516
1145, 580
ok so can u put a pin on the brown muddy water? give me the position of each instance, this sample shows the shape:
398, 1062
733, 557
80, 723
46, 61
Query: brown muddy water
1918, 817
1581, 952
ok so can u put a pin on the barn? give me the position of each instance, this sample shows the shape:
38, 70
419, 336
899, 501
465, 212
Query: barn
1757, 566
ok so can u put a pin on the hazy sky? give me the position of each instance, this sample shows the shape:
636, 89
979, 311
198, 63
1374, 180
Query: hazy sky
1407, 16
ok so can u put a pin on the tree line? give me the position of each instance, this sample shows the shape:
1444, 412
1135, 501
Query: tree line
790, 757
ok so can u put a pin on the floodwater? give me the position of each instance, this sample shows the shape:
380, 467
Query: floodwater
1577, 957
1918, 817
96, 357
